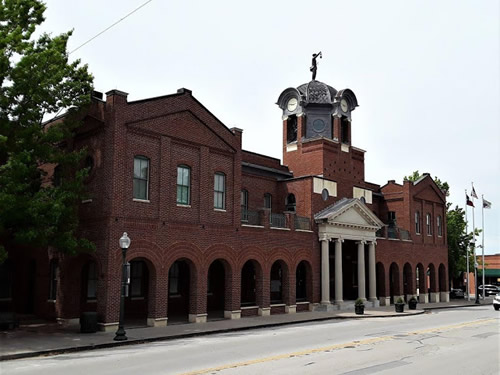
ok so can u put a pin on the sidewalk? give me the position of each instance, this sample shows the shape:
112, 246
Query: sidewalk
51, 338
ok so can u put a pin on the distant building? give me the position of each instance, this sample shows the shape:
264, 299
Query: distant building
218, 231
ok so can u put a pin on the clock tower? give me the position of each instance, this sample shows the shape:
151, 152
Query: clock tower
317, 132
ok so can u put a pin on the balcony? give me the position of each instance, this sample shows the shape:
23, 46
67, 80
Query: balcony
278, 220
302, 223
393, 233
250, 217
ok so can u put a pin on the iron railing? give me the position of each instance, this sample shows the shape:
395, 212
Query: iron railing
250, 217
278, 220
302, 223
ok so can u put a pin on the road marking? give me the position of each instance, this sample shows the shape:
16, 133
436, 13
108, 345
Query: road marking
351, 344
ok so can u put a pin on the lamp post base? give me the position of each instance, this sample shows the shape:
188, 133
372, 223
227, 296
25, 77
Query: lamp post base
120, 335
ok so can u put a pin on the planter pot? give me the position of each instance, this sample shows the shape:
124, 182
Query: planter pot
359, 309
412, 305
88, 322
400, 307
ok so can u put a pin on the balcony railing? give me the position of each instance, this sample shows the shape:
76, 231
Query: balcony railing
302, 223
278, 220
394, 233
250, 217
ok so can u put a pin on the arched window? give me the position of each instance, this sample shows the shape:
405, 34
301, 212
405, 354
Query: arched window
417, 222
428, 224
183, 185
244, 205
141, 178
439, 226
291, 129
220, 191
173, 279
290, 203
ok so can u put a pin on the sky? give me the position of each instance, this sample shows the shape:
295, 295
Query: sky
426, 74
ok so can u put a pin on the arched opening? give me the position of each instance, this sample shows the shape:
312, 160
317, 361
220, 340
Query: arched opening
249, 283
277, 277
442, 278
431, 282
301, 282
179, 287
380, 269
216, 290
291, 129
394, 282
290, 203
408, 281
136, 303
420, 282
6, 286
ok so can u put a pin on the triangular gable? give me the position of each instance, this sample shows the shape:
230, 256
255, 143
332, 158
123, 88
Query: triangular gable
182, 125
350, 213
428, 191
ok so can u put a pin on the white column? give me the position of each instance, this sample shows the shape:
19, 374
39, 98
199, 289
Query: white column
372, 272
339, 298
361, 270
325, 273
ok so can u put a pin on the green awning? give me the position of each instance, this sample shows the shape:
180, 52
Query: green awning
489, 272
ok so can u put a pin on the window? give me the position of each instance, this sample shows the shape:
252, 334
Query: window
268, 201
57, 176
290, 202
136, 279
291, 129
391, 218
417, 222
439, 226
220, 191
344, 130
53, 279
244, 205
183, 184
428, 224
91, 281
141, 177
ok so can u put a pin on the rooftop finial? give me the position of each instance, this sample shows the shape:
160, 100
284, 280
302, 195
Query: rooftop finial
314, 66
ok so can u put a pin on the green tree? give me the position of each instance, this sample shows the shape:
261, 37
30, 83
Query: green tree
459, 242
36, 81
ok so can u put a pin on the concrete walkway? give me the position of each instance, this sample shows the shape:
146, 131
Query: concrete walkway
50, 338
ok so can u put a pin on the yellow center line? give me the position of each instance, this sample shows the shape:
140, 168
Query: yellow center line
334, 347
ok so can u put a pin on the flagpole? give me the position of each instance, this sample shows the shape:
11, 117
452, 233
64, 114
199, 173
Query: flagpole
482, 237
474, 243
467, 248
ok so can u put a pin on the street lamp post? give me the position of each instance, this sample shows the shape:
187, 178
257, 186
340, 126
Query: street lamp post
124, 245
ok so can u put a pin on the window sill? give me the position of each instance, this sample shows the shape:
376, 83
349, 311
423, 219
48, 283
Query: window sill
304, 230
278, 228
136, 298
183, 205
91, 301
85, 201
219, 210
141, 200
252, 226
51, 301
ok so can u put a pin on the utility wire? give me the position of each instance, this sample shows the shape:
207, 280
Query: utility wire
109, 27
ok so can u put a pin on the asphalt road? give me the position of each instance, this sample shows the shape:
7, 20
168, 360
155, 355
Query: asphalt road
454, 341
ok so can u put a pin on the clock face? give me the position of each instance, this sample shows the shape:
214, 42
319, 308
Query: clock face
292, 104
343, 105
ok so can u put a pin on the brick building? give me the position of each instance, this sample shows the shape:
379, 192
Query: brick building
218, 231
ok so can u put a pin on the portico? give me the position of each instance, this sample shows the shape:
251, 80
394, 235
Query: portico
349, 227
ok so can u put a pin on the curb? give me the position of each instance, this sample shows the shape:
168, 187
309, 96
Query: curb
107, 345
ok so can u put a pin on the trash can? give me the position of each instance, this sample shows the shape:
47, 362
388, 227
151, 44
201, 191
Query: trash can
88, 322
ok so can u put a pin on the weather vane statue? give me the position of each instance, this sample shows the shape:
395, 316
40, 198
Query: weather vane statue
314, 66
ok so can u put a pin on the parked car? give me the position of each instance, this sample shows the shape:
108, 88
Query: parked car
457, 293
496, 302
488, 290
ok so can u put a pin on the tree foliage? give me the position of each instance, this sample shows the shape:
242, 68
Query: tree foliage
36, 80
459, 242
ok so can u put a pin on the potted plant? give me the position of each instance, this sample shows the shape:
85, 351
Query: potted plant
412, 303
359, 307
400, 305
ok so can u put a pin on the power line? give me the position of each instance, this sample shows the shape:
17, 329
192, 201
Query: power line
109, 27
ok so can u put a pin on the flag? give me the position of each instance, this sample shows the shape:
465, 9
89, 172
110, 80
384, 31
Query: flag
473, 193
486, 204
468, 201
